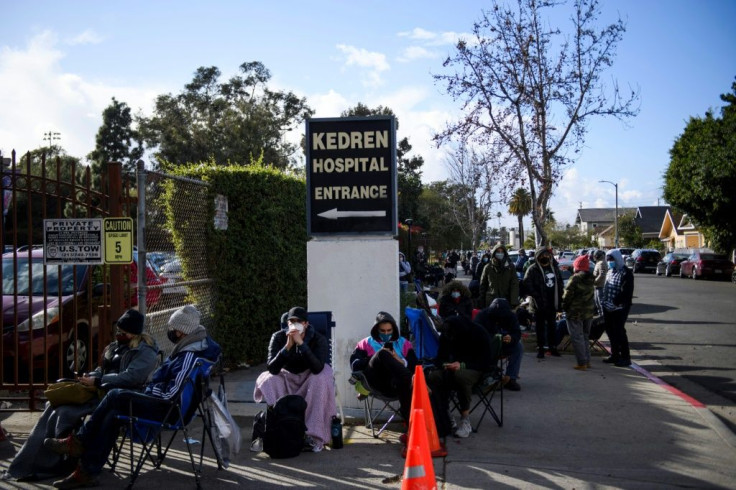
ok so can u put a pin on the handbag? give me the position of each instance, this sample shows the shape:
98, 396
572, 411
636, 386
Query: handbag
69, 393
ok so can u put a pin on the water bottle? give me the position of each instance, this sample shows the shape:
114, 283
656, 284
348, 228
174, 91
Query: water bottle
336, 432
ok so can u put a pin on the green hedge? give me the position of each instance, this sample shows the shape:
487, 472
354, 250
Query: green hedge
259, 263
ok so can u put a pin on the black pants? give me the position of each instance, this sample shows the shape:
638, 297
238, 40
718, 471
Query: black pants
546, 328
391, 378
616, 331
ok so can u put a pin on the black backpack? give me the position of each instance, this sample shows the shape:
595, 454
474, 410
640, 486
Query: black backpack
282, 427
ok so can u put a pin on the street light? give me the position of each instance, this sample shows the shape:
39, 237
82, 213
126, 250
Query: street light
408, 222
615, 217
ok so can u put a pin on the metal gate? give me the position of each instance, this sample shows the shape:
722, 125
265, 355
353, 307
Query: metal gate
56, 318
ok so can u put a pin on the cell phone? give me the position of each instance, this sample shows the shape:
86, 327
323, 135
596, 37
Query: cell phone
389, 345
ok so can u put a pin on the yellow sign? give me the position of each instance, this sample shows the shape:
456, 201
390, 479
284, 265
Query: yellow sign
118, 240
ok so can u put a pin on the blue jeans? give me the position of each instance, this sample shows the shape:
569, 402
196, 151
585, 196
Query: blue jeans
515, 353
102, 428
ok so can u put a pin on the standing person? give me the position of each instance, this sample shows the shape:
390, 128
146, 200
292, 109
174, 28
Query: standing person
94, 441
521, 261
387, 360
543, 282
420, 264
404, 272
455, 299
499, 279
618, 292
297, 365
499, 319
474, 284
127, 362
599, 278
578, 303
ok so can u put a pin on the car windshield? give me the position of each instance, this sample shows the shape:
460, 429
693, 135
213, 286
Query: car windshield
680, 256
36, 278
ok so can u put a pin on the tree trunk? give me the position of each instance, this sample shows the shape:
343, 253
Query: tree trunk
521, 231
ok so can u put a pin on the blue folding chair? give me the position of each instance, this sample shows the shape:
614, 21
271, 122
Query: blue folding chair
424, 335
192, 400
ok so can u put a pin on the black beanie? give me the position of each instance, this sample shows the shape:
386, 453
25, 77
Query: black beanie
132, 322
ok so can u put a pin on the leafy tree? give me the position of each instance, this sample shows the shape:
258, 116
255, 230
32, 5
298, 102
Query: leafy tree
568, 237
472, 181
116, 141
520, 205
409, 168
629, 231
436, 201
523, 99
228, 122
702, 173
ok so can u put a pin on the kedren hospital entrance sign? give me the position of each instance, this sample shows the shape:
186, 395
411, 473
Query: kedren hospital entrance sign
351, 176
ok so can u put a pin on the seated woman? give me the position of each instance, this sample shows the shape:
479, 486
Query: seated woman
127, 363
387, 361
455, 299
297, 365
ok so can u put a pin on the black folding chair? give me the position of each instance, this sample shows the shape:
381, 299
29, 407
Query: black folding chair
192, 400
373, 412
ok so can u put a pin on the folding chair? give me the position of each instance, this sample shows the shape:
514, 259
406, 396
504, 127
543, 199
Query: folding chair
386, 405
424, 335
489, 384
596, 331
192, 399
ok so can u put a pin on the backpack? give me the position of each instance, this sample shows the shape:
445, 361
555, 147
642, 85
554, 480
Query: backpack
281, 427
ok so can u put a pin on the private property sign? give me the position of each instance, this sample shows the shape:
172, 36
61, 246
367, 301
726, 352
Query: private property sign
351, 176
72, 241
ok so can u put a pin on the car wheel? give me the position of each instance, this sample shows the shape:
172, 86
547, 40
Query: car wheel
733, 277
681, 276
694, 273
668, 271
75, 356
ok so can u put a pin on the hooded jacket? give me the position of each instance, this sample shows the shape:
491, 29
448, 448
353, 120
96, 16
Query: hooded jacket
465, 342
498, 318
367, 347
449, 306
499, 279
536, 282
618, 291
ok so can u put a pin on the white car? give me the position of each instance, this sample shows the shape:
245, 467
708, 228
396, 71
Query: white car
172, 272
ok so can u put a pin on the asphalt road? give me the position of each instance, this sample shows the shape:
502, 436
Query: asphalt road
684, 332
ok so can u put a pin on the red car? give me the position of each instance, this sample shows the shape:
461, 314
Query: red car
42, 304
701, 265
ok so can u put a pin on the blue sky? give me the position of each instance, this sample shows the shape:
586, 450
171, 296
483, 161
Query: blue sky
62, 61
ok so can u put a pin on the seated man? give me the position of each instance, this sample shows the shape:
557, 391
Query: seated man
463, 357
387, 361
455, 299
297, 365
499, 319
94, 441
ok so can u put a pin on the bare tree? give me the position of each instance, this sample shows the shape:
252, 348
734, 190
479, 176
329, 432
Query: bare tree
531, 89
471, 177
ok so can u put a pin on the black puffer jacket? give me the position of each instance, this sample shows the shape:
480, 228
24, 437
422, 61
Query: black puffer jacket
449, 306
544, 283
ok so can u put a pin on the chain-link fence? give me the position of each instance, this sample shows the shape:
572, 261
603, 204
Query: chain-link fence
172, 212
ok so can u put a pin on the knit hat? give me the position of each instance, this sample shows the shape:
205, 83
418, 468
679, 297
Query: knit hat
185, 319
298, 312
131, 322
582, 263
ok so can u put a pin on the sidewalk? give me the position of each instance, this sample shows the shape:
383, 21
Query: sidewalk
604, 428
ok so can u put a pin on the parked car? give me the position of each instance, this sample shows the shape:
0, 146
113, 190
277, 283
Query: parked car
670, 264
172, 272
700, 265
626, 253
643, 259
43, 304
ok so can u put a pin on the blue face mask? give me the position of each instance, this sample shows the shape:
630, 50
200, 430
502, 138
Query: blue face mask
385, 337
611, 264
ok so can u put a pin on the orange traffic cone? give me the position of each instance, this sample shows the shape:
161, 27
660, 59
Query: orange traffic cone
420, 400
418, 470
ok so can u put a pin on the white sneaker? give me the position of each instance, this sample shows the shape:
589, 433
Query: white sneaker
257, 445
464, 429
453, 422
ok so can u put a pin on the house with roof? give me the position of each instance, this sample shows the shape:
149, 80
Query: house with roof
649, 219
600, 222
678, 232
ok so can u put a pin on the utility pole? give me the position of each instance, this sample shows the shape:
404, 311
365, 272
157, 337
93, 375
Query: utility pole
51, 136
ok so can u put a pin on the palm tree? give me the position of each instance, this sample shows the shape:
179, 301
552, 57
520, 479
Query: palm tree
520, 205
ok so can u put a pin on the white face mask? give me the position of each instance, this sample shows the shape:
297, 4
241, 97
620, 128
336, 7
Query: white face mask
499, 256
455, 294
297, 326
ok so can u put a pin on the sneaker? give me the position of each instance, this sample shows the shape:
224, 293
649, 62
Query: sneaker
622, 363
580, 367
464, 429
78, 479
453, 422
257, 445
512, 385
68, 445
312, 445
611, 360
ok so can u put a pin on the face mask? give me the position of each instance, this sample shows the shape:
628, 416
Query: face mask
455, 294
499, 256
611, 264
171, 334
385, 337
485, 259
122, 338
297, 326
